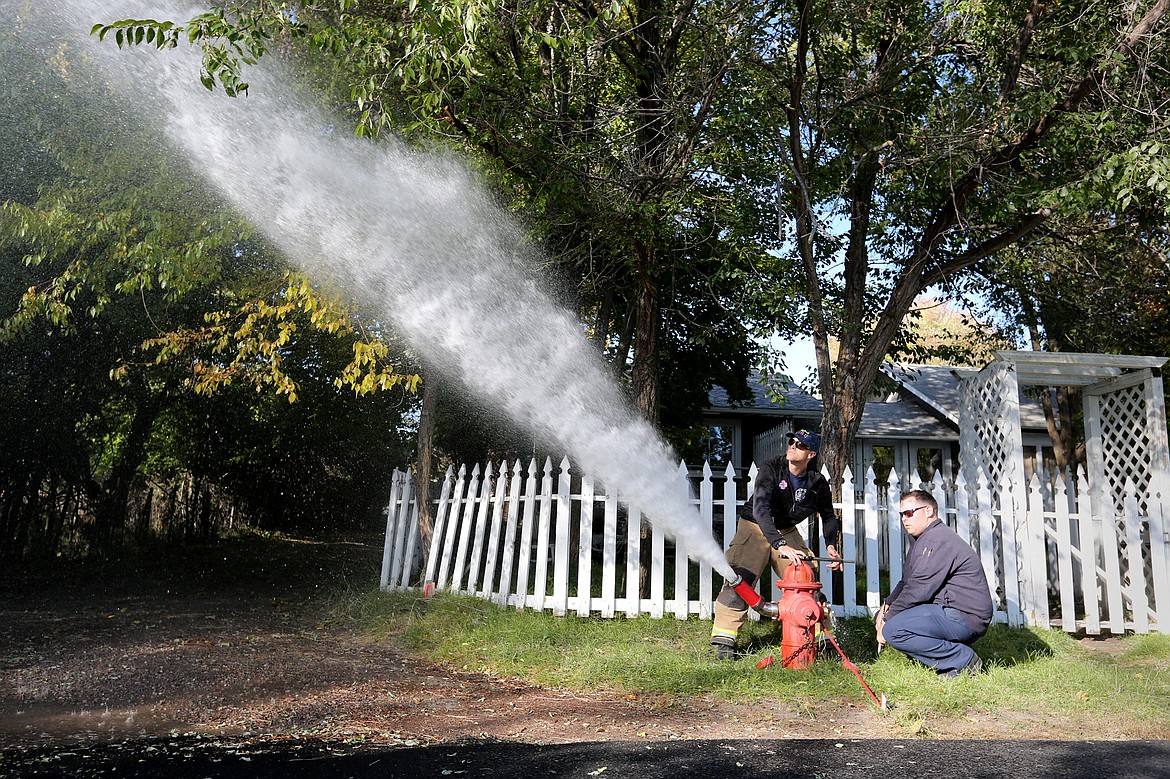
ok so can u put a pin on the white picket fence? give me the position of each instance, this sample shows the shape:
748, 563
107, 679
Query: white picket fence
513, 537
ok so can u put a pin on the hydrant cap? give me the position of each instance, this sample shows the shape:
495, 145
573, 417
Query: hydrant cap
799, 573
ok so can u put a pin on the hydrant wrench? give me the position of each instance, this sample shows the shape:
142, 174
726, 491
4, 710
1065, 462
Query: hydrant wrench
845, 661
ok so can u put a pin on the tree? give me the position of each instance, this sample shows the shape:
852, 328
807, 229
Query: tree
919, 139
137, 310
913, 141
1092, 282
591, 116
938, 333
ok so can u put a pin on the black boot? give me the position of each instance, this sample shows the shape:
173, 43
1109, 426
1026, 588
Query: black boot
725, 652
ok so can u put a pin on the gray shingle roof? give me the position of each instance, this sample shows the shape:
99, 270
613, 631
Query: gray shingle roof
927, 405
902, 419
795, 400
937, 386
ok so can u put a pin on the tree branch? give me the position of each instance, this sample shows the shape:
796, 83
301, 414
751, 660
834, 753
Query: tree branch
1014, 62
986, 249
967, 184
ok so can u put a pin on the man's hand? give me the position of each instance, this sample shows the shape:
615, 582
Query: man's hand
790, 552
832, 551
880, 624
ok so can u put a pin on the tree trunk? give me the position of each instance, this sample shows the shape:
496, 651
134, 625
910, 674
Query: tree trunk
423, 466
1057, 433
842, 417
622, 356
113, 496
645, 388
601, 327
846, 384
644, 376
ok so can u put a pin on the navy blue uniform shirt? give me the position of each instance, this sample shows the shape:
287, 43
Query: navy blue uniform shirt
943, 568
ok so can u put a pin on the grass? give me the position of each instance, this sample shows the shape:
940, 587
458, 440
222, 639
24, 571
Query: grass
1032, 676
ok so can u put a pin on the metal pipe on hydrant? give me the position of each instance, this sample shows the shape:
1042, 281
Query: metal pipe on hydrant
754, 599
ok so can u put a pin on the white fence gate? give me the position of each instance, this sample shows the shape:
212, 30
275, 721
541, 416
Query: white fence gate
514, 538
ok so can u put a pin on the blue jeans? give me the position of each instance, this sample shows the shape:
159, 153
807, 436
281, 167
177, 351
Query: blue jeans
936, 636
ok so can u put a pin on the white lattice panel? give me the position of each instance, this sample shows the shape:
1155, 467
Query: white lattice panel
1126, 444
990, 442
1122, 547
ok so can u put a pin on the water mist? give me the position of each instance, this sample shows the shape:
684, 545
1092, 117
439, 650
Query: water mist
419, 242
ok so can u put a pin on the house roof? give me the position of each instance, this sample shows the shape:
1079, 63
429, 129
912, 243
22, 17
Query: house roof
926, 405
936, 387
795, 401
928, 402
902, 419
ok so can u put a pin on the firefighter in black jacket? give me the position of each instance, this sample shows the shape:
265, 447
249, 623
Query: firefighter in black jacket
788, 491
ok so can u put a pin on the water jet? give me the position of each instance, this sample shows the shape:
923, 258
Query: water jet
419, 242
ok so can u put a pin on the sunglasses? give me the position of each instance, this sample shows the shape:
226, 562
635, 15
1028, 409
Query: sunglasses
799, 445
911, 512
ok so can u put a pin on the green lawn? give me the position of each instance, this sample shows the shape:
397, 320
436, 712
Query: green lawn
1028, 673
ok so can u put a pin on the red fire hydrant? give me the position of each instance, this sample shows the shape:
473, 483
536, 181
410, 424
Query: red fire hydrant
798, 611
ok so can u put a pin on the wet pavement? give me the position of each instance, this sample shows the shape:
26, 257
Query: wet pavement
776, 759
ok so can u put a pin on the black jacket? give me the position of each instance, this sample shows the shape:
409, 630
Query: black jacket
773, 504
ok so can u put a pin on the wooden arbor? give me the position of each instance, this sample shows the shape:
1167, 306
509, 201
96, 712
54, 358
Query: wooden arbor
1126, 480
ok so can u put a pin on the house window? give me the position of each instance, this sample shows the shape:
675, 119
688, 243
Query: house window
719, 445
928, 462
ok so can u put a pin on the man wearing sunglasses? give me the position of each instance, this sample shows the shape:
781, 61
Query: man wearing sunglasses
942, 604
788, 490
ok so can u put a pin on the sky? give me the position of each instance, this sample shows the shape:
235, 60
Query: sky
800, 358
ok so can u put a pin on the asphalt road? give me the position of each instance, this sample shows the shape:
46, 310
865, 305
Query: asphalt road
775, 759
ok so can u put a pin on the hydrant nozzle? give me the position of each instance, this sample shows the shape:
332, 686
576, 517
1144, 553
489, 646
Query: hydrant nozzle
753, 598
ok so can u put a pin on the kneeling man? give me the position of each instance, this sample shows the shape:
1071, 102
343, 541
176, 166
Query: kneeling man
942, 605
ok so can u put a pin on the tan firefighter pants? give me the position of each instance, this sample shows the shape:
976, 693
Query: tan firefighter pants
749, 554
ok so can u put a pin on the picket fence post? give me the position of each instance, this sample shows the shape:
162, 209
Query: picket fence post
585, 546
523, 591
707, 512
1064, 566
540, 586
1138, 602
633, 559
609, 555
848, 548
682, 566
466, 528
511, 526
895, 532
392, 513
406, 533
451, 527
1035, 555
1160, 555
490, 569
873, 595
560, 597
1087, 524
481, 521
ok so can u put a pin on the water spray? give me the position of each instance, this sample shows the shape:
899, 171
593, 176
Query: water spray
421, 243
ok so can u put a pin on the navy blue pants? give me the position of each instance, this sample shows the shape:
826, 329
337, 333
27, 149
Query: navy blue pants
936, 636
